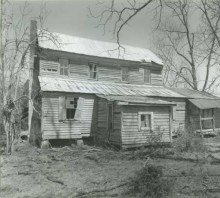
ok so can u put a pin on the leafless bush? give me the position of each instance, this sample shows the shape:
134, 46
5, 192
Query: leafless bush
149, 182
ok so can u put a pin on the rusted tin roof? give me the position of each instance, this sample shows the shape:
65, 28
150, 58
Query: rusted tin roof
103, 88
189, 93
136, 100
206, 103
91, 47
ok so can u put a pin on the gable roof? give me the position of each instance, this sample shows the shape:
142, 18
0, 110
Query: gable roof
104, 88
189, 93
96, 48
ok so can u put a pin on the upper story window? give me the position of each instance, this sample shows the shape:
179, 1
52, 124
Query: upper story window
124, 74
147, 76
64, 67
93, 72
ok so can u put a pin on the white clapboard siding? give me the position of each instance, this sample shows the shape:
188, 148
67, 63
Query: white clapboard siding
50, 68
55, 129
112, 74
130, 132
80, 71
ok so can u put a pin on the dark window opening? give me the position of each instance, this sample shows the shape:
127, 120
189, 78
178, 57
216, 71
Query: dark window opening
93, 71
71, 106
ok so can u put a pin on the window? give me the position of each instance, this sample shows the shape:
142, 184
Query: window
64, 67
110, 116
70, 108
93, 71
207, 118
174, 112
147, 76
124, 74
145, 121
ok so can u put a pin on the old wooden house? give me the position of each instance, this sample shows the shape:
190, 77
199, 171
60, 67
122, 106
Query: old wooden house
88, 91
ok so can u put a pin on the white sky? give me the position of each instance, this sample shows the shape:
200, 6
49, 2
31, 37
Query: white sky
71, 17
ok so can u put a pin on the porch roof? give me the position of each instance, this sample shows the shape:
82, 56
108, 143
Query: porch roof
206, 103
52, 84
135, 100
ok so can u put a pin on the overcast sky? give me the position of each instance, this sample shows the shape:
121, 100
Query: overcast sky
72, 17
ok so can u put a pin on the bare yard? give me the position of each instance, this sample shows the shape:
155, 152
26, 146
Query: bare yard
93, 172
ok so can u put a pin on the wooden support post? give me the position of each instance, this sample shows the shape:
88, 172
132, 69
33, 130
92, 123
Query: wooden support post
213, 121
171, 108
200, 122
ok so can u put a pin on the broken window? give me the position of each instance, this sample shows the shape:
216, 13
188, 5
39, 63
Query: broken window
70, 108
145, 121
64, 67
124, 74
93, 73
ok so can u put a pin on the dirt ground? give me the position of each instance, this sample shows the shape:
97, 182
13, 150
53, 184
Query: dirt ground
87, 171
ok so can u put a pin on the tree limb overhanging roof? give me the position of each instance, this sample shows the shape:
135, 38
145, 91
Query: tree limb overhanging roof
53, 84
96, 48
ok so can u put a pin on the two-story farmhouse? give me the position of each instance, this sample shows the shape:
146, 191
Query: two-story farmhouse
88, 91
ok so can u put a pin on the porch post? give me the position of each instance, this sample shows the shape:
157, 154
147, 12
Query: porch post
200, 122
213, 121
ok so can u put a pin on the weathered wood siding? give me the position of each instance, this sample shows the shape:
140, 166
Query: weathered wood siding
103, 133
108, 70
52, 128
130, 132
217, 118
194, 116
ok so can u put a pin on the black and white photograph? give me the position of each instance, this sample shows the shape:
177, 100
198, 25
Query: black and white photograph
110, 98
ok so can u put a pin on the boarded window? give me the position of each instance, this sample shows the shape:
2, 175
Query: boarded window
145, 121
64, 67
124, 74
93, 72
70, 108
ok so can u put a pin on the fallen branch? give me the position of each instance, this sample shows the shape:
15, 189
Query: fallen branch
55, 180
26, 173
82, 194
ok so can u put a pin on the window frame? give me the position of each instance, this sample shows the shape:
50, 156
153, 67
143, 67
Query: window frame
127, 74
145, 72
62, 60
89, 73
68, 99
151, 121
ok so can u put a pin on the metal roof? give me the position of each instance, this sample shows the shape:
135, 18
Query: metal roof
136, 100
206, 103
103, 88
91, 47
189, 93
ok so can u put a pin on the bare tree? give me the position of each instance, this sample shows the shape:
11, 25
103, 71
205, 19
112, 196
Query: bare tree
15, 60
118, 14
184, 47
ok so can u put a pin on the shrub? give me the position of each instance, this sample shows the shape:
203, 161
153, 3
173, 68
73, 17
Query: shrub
149, 182
189, 142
